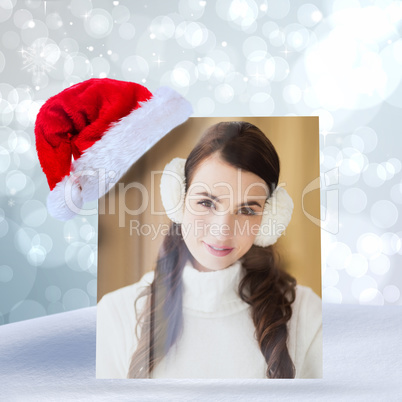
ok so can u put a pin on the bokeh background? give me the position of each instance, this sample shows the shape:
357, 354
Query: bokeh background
339, 60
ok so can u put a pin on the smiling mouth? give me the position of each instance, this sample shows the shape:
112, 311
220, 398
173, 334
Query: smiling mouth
218, 251
219, 248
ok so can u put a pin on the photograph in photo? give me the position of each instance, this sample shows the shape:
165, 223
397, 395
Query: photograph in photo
209, 261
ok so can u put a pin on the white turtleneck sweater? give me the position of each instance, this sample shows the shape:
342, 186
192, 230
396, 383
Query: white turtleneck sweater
218, 338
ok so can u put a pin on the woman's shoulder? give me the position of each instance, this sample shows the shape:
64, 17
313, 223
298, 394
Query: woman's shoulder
125, 297
305, 333
305, 294
115, 329
306, 317
307, 303
306, 312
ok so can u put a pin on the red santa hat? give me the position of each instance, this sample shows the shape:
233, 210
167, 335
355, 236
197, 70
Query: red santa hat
89, 135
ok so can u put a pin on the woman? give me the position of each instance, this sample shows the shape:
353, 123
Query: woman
217, 304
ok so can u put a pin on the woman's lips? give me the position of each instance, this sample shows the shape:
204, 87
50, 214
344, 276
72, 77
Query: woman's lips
211, 248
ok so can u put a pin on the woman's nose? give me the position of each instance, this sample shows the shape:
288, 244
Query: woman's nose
222, 226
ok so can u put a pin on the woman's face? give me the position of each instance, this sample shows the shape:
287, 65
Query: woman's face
223, 213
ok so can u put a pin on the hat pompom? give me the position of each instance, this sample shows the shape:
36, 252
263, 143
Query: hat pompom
65, 200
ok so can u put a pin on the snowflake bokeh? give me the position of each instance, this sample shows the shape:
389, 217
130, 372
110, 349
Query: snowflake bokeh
337, 60
39, 59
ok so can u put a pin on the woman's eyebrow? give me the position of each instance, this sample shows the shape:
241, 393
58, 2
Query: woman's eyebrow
250, 203
216, 198
205, 194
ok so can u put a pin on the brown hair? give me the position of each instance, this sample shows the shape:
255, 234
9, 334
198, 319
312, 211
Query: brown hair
265, 287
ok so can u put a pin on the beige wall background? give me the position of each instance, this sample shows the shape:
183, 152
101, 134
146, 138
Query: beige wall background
125, 255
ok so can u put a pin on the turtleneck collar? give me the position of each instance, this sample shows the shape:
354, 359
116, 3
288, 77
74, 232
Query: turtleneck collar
212, 293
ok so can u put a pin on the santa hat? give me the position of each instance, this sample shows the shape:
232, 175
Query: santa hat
105, 125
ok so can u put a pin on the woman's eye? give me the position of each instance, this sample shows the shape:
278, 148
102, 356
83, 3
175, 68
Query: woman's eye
210, 204
247, 211
205, 203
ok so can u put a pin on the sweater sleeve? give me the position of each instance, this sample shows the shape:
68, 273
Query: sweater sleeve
110, 341
309, 334
115, 329
312, 366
